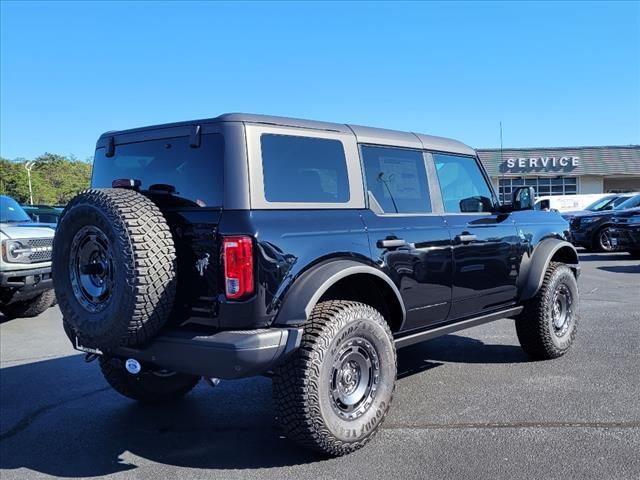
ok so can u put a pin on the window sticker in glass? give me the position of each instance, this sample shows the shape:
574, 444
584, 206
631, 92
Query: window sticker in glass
397, 179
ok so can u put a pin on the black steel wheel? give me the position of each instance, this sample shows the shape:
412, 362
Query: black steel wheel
91, 268
355, 375
548, 324
334, 393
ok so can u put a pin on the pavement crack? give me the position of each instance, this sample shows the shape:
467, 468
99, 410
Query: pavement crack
493, 425
29, 418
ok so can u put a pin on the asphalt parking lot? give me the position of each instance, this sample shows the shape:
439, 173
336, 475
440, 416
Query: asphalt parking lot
468, 405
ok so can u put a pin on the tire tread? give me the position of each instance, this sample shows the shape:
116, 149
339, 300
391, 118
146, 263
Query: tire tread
150, 265
296, 383
531, 325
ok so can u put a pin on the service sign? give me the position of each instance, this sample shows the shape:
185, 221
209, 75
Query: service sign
540, 164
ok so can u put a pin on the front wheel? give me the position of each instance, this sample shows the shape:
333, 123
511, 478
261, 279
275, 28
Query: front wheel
602, 240
548, 324
32, 307
147, 386
334, 393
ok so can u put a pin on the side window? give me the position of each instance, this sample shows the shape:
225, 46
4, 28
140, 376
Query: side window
304, 169
464, 188
397, 179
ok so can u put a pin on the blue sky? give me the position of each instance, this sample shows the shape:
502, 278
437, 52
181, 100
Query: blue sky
555, 74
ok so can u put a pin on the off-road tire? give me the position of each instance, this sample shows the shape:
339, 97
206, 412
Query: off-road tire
147, 386
142, 266
302, 386
535, 325
32, 307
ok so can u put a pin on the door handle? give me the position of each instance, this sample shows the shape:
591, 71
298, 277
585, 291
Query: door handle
391, 243
466, 238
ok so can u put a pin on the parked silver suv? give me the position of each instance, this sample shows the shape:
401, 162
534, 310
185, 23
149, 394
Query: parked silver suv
26, 288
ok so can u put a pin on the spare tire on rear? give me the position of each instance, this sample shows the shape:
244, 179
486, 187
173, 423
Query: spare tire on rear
114, 268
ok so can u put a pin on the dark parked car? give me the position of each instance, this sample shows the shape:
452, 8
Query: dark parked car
601, 205
306, 251
625, 231
592, 231
43, 213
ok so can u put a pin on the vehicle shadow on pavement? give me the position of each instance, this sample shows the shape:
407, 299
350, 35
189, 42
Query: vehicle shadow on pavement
59, 417
599, 257
621, 268
460, 349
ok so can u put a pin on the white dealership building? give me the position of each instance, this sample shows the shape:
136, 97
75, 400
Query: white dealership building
564, 171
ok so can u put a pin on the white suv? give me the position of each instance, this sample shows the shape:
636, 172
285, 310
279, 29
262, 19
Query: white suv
26, 288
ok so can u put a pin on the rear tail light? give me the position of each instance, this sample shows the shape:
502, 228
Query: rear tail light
238, 267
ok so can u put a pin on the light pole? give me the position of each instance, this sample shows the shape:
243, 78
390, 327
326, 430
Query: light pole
28, 166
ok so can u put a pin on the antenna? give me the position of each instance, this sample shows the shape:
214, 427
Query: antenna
501, 158
501, 163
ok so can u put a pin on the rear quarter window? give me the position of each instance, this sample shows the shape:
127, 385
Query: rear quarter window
304, 169
196, 173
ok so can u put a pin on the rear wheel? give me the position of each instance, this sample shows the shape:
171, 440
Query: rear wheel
148, 386
334, 393
548, 324
32, 307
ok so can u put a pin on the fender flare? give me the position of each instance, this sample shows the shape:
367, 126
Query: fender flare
306, 291
540, 261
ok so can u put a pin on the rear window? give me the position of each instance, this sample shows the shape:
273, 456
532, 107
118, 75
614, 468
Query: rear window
196, 173
304, 169
631, 202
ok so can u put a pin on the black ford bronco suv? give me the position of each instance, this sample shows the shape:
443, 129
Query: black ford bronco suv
306, 251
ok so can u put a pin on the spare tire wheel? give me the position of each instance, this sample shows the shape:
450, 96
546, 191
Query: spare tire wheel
114, 266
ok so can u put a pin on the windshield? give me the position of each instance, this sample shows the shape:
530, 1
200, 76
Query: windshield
629, 203
600, 204
11, 212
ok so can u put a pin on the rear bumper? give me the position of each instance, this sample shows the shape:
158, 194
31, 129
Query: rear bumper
231, 354
26, 283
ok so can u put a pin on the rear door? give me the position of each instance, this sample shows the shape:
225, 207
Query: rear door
486, 245
408, 239
185, 180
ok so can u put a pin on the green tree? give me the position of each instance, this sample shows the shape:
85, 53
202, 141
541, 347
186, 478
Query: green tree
55, 179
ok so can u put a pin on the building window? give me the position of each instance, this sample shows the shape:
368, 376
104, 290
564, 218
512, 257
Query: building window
544, 186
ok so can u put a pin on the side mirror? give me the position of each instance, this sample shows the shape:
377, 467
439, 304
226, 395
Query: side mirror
523, 198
